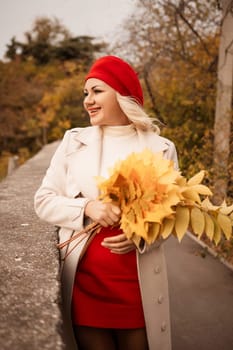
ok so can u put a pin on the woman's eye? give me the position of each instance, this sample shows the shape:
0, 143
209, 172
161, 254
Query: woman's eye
97, 91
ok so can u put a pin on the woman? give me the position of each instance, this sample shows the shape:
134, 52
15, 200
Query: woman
115, 297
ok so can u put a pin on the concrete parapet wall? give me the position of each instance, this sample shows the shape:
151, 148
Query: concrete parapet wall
30, 316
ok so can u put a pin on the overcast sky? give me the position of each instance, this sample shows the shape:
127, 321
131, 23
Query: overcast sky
99, 18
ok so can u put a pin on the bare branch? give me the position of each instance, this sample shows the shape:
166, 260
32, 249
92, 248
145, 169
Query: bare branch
181, 14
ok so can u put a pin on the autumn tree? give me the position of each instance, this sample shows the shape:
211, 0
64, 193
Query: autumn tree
175, 47
41, 86
61, 108
49, 40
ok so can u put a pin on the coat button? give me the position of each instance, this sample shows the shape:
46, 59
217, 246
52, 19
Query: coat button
163, 327
157, 269
160, 299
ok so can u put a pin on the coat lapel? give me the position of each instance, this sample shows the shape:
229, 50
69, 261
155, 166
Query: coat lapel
152, 141
84, 156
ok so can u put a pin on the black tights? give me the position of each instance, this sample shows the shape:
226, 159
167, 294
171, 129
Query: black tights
90, 338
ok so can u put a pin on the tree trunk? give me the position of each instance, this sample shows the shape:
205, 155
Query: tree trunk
223, 113
146, 74
44, 135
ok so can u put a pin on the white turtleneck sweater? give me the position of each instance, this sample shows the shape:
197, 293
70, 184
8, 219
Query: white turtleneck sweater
118, 143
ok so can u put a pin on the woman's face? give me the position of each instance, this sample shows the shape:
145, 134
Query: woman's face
101, 104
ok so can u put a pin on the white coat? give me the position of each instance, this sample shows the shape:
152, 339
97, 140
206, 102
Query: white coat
67, 186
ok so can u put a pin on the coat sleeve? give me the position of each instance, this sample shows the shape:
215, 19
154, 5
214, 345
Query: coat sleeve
51, 202
169, 153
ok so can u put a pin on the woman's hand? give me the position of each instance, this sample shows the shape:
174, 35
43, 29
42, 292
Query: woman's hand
106, 214
118, 244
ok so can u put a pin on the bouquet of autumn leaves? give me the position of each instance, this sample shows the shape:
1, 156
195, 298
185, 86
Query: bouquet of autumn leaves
156, 201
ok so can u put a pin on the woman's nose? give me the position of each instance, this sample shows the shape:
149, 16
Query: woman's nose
89, 99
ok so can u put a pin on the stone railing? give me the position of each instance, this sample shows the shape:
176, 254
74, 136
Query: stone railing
30, 316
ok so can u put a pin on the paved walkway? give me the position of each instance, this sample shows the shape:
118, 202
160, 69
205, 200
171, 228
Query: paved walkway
201, 289
201, 293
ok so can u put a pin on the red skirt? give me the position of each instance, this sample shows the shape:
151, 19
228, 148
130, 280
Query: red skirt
106, 291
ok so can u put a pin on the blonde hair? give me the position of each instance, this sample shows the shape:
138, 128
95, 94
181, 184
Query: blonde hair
136, 114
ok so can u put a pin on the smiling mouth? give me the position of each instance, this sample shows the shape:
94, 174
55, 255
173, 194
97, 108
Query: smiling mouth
93, 111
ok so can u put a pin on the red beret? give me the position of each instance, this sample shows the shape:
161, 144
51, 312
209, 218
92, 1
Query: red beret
119, 75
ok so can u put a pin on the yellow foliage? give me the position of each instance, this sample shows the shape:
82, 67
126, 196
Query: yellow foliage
157, 201
167, 227
225, 224
209, 226
182, 221
196, 179
197, 221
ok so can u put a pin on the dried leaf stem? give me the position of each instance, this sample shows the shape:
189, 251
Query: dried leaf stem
89, 229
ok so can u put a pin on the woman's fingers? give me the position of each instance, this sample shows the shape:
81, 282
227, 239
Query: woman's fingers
116, 210
119, 240
106, 221
106, 214
118, 244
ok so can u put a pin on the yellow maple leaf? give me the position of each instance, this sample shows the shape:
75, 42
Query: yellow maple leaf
167, 227
196, 179
197, 221
182, 221
225, 224
209, 225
